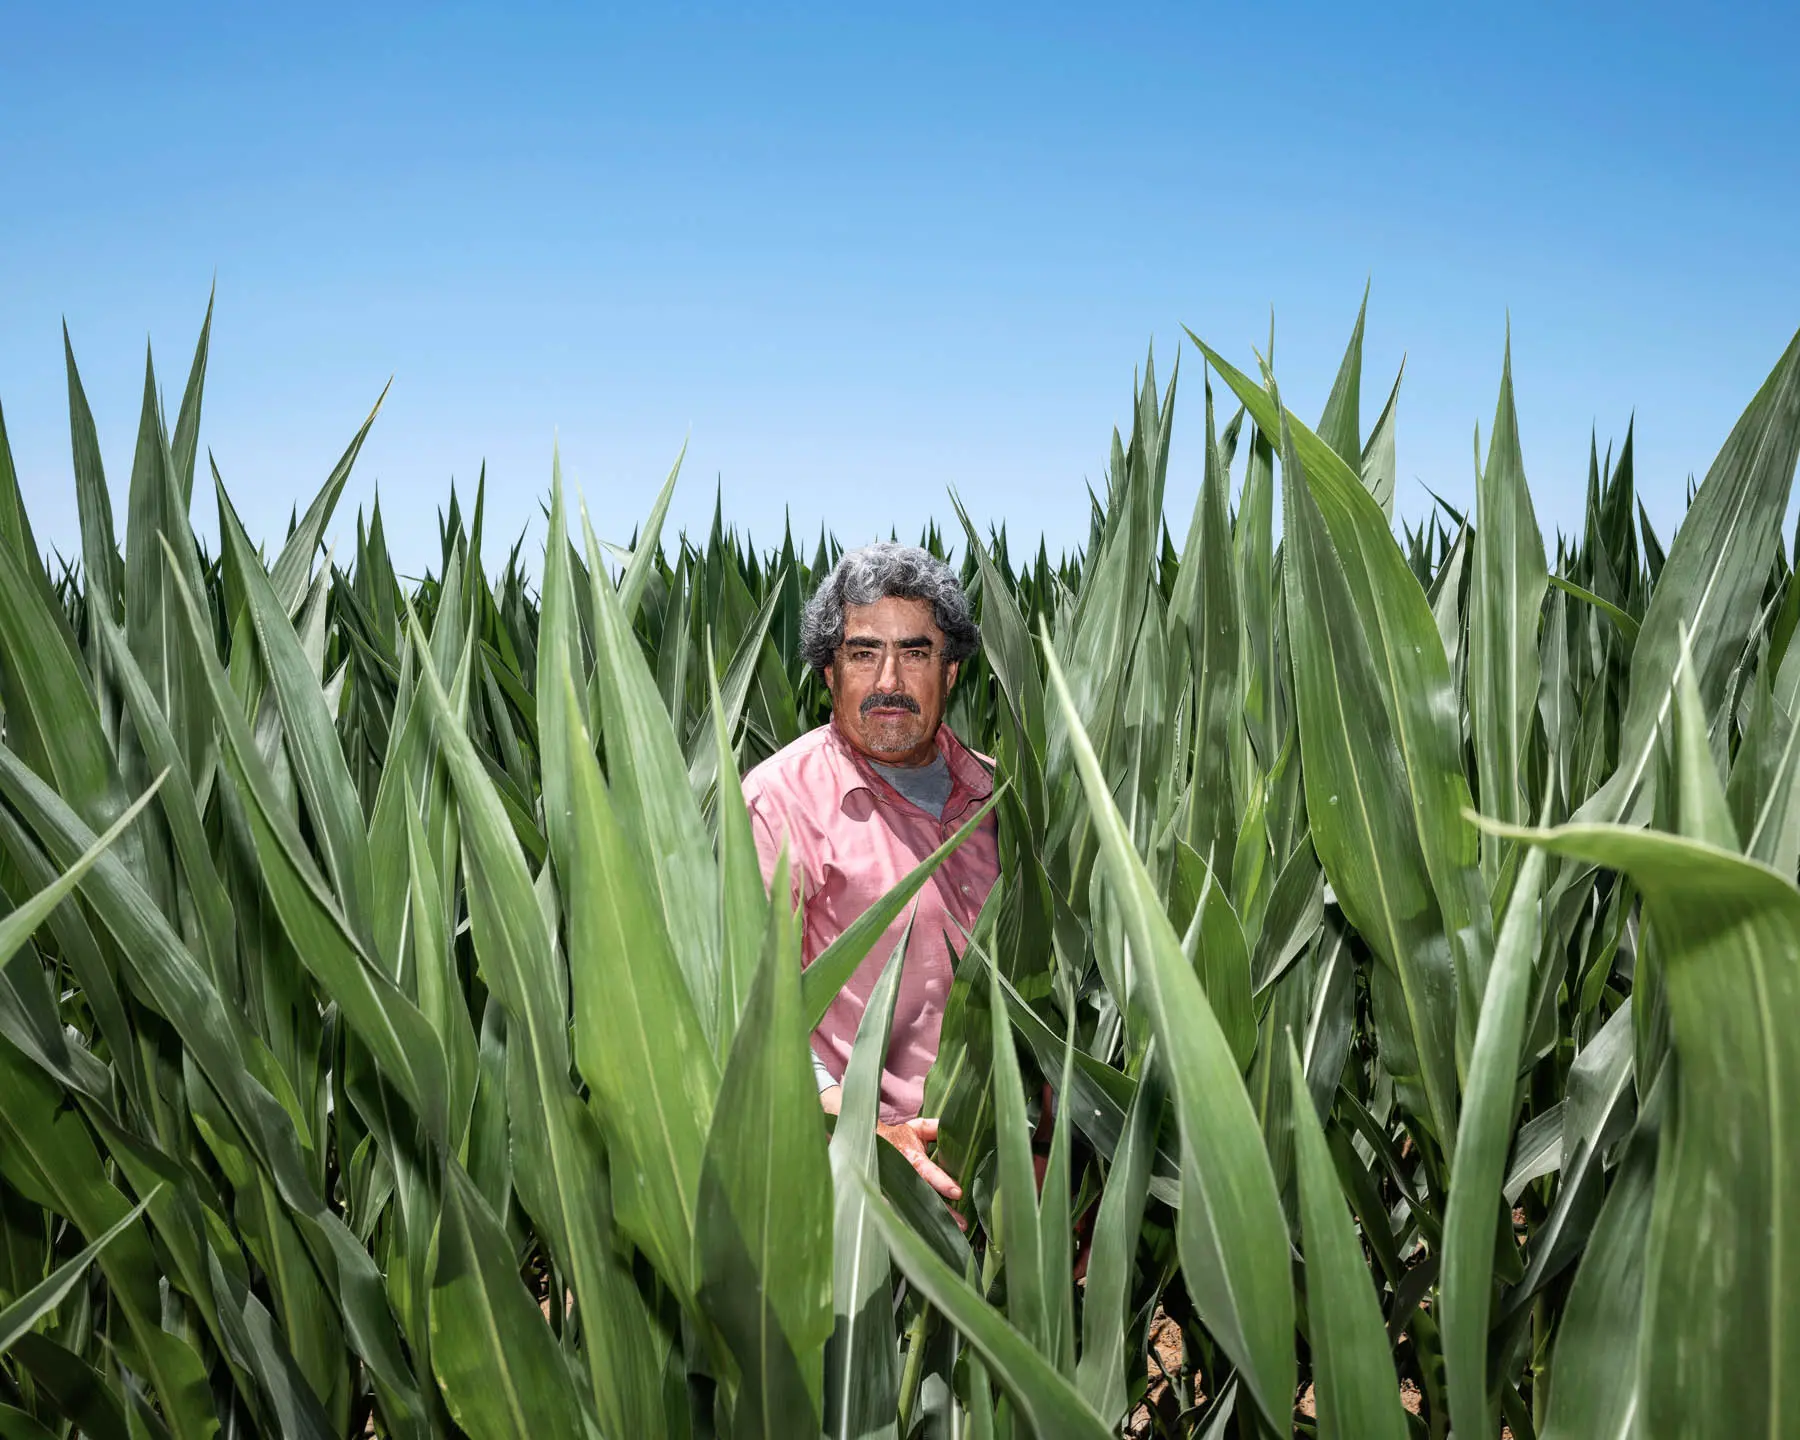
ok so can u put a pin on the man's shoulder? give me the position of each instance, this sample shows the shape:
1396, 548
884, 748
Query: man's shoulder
796, 772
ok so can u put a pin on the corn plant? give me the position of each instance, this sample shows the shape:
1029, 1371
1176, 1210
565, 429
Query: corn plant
397, 1036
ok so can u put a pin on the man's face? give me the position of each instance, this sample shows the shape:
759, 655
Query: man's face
889, 680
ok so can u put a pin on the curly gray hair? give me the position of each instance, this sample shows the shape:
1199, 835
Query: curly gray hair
877, 572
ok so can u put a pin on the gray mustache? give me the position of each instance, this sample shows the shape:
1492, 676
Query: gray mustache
893, 700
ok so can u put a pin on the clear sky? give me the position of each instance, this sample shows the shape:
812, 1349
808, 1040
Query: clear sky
857, 255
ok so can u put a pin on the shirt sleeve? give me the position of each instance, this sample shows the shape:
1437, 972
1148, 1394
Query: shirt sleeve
768, 852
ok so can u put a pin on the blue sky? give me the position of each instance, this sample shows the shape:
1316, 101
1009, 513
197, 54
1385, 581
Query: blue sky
855, 258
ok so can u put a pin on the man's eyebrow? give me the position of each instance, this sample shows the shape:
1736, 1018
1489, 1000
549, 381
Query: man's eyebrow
874, 642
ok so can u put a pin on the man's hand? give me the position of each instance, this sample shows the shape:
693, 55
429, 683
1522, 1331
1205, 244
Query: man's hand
910, 1138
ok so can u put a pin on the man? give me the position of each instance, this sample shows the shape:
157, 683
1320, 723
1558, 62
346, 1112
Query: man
864, 798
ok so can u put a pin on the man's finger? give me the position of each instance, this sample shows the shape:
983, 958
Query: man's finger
938, 1179
924, 1129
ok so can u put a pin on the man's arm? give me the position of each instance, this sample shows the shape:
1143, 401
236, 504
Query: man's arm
830, 1092
768, 854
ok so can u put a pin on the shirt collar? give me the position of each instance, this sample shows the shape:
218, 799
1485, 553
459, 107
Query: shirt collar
970, 777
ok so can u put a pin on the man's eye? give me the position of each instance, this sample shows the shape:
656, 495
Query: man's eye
918, 657
862, 657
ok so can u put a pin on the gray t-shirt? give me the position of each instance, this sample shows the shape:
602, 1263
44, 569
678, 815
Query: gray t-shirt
927, 786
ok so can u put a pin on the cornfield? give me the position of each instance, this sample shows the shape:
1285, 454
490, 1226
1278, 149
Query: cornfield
397, 1037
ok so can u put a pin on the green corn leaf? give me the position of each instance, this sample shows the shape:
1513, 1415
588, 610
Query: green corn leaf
1340, 426
1006, 641
1700, 807
569, 1194
743, 902
1594, 1382
102, 574
409, 771
765, 1215
1378, 465
1101, 1375
643, 558
703, 769
289, 574
1056, 1229
559, 651
922, 1207
860, 1380
1411, 672
1233, 1236
73, 1387
1711, 585
186, 443
1253, 547
648, 786
201, 1252
1537, 1151
52, 720
29, 1019
1557, 707
1774, 830
1595, 1113
161, 968
1479, 1165
19, 924
16, 535
436, 980
313, 747
1205, 612
1356, 1391
1362, 823
1447, 599
1100, 1097
500, 1367
157, 512
1050, 1404
1756, 770
17, 1425
1331, 1019
42, 1298
1361, 1186
1506, 592
259, 1348
326, 941
1015, 1187
637, 1038
47, 1151
1627, 626
1721, 1270
1296, 910
180, 806
1214, 944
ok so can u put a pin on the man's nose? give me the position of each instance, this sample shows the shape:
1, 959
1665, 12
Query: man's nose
888, 677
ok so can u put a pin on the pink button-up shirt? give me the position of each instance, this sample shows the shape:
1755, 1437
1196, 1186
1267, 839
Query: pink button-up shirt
851, 837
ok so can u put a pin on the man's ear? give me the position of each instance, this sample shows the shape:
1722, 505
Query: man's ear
950, 673
825, 674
